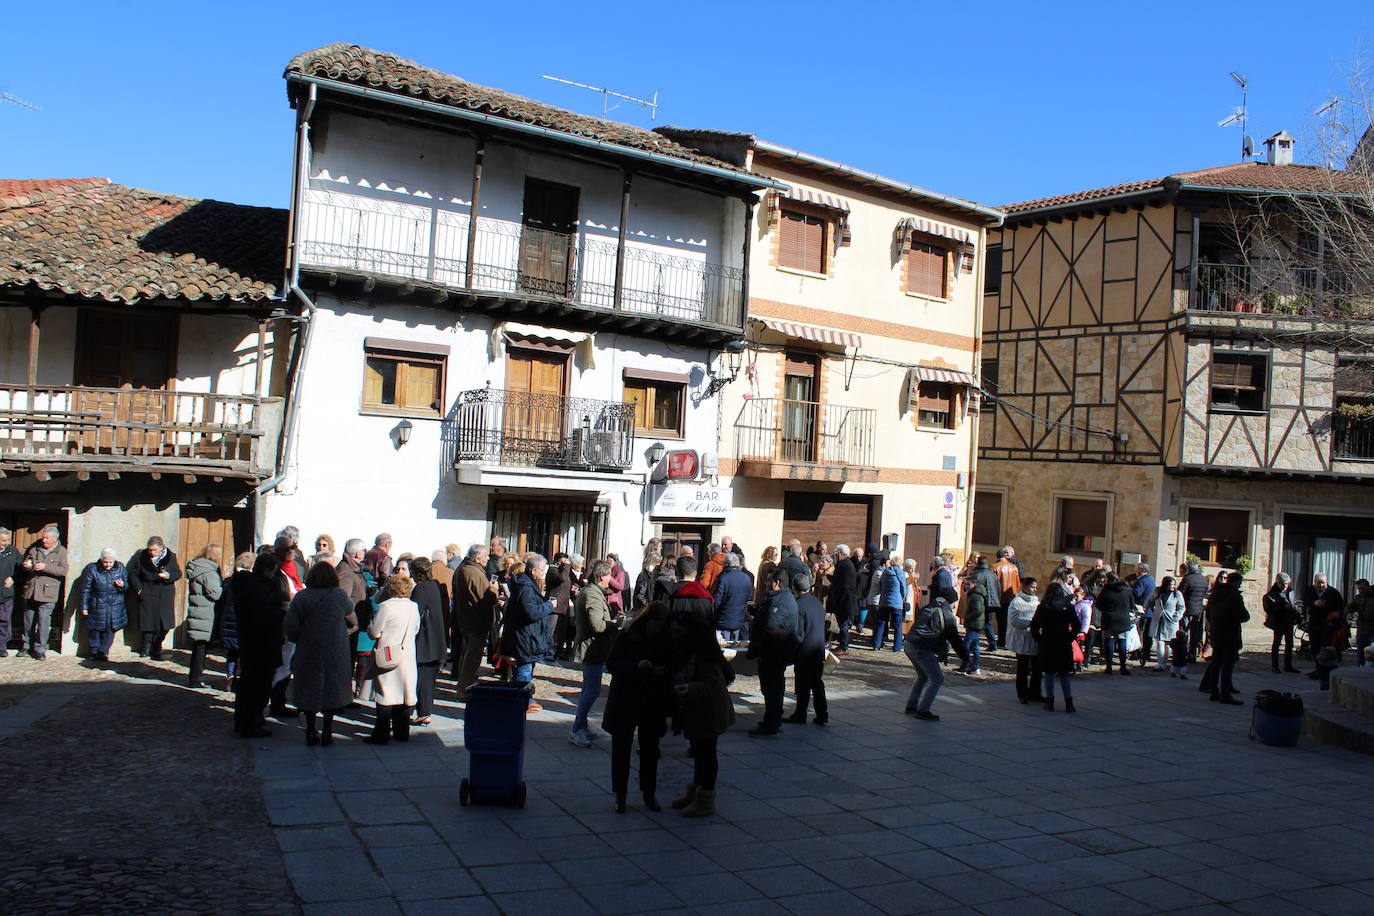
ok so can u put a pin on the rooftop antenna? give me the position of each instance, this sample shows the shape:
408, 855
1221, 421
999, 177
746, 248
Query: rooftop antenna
1239, 115
6, 97
1334, 133
606, 107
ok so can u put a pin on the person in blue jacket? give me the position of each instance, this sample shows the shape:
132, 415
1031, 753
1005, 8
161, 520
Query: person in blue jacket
893, 601
734, 591
103, 585
527, 632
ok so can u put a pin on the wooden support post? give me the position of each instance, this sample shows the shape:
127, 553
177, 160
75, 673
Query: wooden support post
35, 317
188, 478
620, 240
474, 211
112, 475
42, 476
262, 351
83, 475
1192, 261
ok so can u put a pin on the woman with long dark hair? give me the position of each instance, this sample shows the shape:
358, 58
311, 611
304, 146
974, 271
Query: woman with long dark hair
1055, 626
701, 682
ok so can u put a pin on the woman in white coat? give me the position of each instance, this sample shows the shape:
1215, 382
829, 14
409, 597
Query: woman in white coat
1168, 609
394, 626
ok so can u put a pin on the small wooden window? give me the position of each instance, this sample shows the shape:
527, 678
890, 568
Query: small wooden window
1240, 381
991, 372
1082, 527
403, 383
935, 406
658, 406
925, 270
801, 241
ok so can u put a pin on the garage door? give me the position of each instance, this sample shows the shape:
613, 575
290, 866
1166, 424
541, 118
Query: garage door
812, 517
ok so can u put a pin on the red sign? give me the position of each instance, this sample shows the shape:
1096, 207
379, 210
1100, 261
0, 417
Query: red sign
682, 465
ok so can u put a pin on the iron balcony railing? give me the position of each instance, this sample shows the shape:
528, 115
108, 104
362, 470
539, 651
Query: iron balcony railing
805, 432
1269, 288
524, 429
138, 429
1352, 439
579, 267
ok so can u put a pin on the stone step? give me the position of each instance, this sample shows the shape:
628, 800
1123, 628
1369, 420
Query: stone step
1353, 689
1339, 727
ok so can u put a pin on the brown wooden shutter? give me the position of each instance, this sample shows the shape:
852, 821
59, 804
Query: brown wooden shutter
925, 270
422, 386
801, 241
1086, 517
1233, 374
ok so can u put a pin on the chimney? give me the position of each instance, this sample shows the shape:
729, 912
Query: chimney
1280, 148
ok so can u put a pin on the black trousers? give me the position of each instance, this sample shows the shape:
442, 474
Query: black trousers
1001, 614
807, 680
1282, 636
705, 764
252, 688
622, 743
197, 661
425, 686
278, 694
152, 643
1217, 677
391, 722
1028, 676
1195, 635
772, 681
562, 635
842, 619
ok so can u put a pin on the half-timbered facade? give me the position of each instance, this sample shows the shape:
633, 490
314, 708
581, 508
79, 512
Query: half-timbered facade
1165, 384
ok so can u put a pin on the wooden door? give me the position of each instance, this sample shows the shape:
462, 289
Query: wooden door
202, 525
921, 542
535, 380
801, 387
133, 353
549, 222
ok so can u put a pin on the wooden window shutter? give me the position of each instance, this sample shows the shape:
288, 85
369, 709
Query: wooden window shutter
1233, 374
925, 270
1086, 517
801, 241
422, 386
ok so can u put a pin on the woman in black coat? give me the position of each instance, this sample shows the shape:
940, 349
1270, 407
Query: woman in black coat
432, 639
260, 601
1055, 626
640, 699
152, 577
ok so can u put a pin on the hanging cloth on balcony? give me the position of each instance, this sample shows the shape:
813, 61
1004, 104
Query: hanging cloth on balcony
810, 332
581, 342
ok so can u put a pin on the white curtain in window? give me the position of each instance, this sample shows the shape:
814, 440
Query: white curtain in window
1330, 559
1364, 560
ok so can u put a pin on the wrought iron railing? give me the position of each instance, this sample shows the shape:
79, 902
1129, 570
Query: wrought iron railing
805, 432
133, 428
1352, 439
431, 244
1269, 288
524, 429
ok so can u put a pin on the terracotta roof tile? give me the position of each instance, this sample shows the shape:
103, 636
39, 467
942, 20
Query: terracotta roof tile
92, 238
376, 69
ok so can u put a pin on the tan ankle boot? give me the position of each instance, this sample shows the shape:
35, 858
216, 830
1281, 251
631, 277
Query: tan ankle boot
688, 796
704, 804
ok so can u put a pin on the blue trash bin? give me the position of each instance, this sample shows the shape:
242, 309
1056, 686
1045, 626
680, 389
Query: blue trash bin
494, 735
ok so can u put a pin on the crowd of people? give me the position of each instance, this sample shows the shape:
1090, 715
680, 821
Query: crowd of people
350, 626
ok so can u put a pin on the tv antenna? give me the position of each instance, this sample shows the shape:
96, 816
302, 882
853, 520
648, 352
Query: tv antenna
1239, 116
6, 97
606, 106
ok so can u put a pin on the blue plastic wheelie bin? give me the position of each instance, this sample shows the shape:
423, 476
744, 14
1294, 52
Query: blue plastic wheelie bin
494, 735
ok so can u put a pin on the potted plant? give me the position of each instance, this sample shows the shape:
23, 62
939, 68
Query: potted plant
1244, 564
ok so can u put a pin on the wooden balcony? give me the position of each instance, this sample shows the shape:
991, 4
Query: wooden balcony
806, 440
114, 431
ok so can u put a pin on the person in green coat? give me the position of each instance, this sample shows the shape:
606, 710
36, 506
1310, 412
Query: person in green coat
204, 585
975, 608
595, 633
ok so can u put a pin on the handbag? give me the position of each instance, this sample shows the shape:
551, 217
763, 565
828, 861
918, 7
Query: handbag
386, 655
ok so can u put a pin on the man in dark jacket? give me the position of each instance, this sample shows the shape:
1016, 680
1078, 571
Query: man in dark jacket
1194, 589
690, 596
773, 641
474, 605
9, 563
932, 633
558, 586
843, 599
1325, 608
527, 633
378, 560
734, 591
792, 564
942, 581
1114, 602
984, 576
1225, 614
809, 667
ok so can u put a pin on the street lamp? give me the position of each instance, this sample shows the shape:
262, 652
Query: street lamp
403, 431
733, 357
656, 452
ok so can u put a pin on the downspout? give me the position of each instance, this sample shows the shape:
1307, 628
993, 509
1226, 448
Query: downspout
293, 288
977, 424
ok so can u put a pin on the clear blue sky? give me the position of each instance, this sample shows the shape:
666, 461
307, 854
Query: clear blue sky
997, 101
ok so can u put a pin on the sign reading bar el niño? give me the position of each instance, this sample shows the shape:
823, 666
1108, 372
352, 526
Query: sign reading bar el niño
688, 501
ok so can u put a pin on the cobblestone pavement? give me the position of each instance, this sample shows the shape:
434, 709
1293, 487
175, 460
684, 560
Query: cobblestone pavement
1149, 799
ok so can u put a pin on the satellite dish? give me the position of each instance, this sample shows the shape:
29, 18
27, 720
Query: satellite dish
1248, 148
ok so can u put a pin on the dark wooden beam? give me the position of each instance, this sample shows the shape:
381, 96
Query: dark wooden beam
405, 289
369, 284
83, 475
188, 478
41, 475
35, 319
438, 296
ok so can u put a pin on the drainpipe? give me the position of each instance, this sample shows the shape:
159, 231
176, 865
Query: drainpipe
976, 425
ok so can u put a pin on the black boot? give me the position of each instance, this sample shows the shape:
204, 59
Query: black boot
381, 728
1049, 704
1068, 704
312, 737
327, 735
146, 646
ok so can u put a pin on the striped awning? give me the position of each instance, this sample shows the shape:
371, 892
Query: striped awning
817, 199
811, 332
938, 374
911, 224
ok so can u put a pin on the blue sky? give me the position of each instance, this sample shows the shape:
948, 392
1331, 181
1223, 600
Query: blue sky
996, 102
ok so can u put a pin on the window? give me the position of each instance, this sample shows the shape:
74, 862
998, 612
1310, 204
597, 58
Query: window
925, 270
992, 271
1082, 527
987, 516
658, 405
1353, 423
401, 377
935, 406
1218, 536
801, 241
990, 371
1240, 381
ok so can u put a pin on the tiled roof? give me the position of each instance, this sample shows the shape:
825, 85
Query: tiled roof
387, 72
1258, 176
103, 241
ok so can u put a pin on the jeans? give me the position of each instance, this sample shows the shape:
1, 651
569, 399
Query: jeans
1115, 644
893, 617
772, 683
37, 620
523, 674
808, 684
729, 635
929, 679
101, 641
1161, 652
972, 650
591, 689
1064, 684
1028, 676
